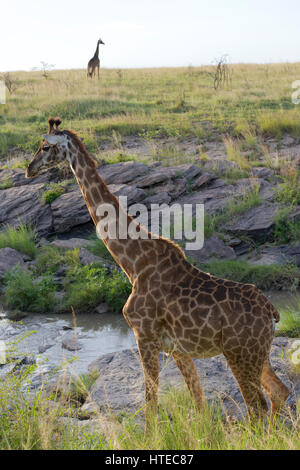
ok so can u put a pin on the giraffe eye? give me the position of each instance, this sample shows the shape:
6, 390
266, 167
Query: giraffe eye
45, 148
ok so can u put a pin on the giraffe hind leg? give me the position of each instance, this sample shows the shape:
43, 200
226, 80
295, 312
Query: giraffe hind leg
275, 389
249, 379
186, 366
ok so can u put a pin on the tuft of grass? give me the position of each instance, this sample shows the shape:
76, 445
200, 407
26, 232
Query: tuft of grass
21, 239
79, 387
276, 124
52, 194
289, 191
233, 148
6, 184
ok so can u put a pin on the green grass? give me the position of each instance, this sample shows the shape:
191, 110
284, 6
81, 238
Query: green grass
270, 277
21, 239
35, 423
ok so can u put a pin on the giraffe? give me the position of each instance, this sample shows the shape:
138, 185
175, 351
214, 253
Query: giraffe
94, 63
173, 306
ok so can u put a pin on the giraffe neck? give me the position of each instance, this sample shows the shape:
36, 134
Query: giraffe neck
97, 50
96, 194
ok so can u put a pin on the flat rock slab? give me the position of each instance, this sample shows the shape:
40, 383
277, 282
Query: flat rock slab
123, 172
258, 223
120, 385
71, 243
276, 255
23, 205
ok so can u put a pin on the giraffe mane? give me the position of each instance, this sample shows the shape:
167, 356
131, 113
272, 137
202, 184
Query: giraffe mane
80, 144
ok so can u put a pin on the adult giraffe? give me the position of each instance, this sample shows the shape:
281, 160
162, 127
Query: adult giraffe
174, 307
94, 63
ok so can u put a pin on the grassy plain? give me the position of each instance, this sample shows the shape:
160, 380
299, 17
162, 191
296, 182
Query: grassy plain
152, 103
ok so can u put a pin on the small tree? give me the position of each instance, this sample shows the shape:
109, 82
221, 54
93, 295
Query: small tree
223, 73
46, 68
10, 83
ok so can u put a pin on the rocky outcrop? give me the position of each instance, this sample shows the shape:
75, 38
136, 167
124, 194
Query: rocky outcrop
153, 185
120, 385
23, 205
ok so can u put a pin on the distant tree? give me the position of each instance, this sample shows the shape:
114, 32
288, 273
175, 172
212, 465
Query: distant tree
10, 82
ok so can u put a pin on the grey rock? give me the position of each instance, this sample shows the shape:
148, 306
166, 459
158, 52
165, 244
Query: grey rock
159, 198
259, 222
158, 176
23, 205
133, 194
276, 255
262, 172
188, 170
9, 258
214, 248
102, 308
71, 243
124, 172
69, 210
220, 166
217, 195
120, 385
70, 342
203, 180
86, 257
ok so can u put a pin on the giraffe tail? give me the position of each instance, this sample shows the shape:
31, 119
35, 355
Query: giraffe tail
275, 313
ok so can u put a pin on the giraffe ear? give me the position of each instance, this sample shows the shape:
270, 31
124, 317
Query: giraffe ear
54, 139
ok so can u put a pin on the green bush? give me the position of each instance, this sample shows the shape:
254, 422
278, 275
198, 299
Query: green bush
286, 230
27, 294
89, 285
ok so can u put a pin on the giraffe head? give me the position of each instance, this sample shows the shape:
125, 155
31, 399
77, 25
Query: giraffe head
52, 150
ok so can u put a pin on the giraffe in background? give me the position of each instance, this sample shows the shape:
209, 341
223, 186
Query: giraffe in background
173, 306
94, 63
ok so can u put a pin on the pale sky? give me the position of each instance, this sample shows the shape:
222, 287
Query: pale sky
147, 33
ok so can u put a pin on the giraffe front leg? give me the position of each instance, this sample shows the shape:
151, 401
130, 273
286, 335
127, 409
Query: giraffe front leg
187, 368
149, 352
